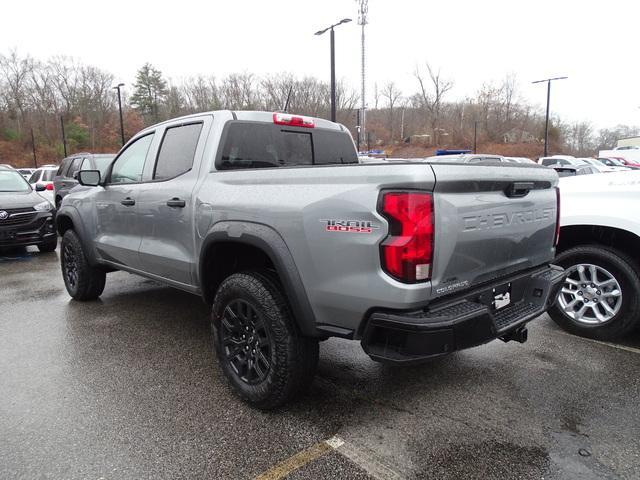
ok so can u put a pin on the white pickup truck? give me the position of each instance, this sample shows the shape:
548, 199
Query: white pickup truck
600, 247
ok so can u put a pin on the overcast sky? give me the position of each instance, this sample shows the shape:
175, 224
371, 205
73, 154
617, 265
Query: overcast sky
595, 44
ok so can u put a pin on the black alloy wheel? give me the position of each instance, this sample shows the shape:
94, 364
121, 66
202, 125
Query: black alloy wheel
70, 265
246, 341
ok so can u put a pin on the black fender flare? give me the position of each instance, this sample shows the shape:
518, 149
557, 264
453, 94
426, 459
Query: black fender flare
273, 245
72, 214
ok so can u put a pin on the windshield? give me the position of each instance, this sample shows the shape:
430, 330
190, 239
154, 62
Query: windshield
102, 163
12, 181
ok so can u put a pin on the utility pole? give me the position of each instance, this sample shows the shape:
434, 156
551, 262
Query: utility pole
358, 131
33, 146
333, 64
363, 10
117, 87
475, 136
546, 122
64, 138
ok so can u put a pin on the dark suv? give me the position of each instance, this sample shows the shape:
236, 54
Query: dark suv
26, 218
65, 178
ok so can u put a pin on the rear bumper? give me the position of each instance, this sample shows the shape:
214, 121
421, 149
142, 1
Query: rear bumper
462, 321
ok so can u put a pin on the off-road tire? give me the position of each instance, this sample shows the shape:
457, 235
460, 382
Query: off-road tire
293, 357
626, 272
49, 246
88, 282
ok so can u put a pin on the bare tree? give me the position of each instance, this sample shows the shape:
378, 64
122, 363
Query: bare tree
391, 94
15, 72
432, 91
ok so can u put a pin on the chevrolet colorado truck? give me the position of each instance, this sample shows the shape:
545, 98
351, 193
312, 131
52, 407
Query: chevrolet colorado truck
271, 219
600, 250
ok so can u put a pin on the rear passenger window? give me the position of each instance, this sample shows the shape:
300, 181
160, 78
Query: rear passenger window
177, 151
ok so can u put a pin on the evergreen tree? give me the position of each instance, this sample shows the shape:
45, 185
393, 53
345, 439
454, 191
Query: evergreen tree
149, 90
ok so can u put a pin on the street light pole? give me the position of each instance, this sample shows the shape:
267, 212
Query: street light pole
64, 137
475, 136
333, 64
117, 87
333, 76
546, 121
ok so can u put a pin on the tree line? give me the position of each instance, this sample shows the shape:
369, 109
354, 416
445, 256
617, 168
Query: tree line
37, 95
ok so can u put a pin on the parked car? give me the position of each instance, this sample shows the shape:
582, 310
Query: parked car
600, 248
559, 160
602, 167
66, 175
465, 158
43, 177
6, 165
628, 153
26, 218
518, 160
573, 170
231, 206
26, 172
619, 161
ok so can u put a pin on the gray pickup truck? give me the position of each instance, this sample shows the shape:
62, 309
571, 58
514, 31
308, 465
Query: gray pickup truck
271, 219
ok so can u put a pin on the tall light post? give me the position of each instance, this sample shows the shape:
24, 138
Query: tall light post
333, 64
546, 122
117, 87
475, 136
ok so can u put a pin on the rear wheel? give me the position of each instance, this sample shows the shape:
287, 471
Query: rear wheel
83, 282
259, 348
601, 295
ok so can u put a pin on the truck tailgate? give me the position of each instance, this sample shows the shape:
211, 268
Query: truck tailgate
502, 221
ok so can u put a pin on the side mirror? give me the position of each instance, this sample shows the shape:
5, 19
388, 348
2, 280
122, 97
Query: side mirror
89, 178
40, 187
75, 175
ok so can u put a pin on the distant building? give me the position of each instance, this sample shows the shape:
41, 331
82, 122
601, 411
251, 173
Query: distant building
517, 135
629, 142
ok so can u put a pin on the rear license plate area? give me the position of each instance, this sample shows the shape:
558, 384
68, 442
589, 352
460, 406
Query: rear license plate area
501, 296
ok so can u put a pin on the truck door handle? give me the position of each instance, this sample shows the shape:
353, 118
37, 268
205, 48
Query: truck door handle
519, 189
128, 202
175, 202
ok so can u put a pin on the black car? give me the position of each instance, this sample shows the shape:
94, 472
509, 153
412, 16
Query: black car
26, 218
66, 176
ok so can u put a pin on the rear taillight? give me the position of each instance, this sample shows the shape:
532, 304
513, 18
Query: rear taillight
49, 186
407, 251
293, 120
557, 239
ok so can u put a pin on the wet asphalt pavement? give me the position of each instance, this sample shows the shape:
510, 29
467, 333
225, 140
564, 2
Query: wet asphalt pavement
127, 387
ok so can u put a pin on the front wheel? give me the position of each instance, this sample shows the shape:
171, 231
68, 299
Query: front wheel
48, 246
83, 282
259, 348
601, 295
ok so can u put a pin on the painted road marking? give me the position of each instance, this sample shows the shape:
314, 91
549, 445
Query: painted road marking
364, 460
296, 461
612, 345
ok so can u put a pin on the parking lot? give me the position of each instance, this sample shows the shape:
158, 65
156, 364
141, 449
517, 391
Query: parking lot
127, 387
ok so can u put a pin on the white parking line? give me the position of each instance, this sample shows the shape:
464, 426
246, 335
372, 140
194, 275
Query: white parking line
364, 460
612, 345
